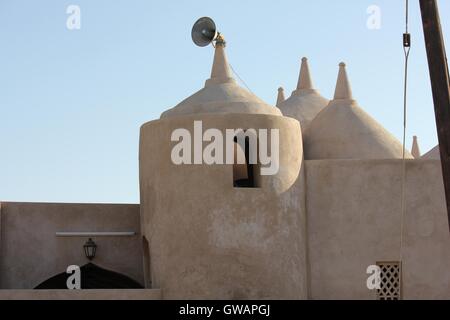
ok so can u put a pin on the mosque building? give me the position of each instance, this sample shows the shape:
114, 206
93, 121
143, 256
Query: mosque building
344, 203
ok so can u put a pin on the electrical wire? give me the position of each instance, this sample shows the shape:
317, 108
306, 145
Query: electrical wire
406, 50
240, 79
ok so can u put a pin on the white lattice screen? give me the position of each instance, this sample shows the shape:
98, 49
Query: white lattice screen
391, 281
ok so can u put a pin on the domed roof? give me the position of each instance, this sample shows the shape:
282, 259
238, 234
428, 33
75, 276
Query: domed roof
305, 102
433, 154
221, 94
345, 131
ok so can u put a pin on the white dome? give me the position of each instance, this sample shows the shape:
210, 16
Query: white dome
305, 102
345, 131
432, 154
222, 98
221, 94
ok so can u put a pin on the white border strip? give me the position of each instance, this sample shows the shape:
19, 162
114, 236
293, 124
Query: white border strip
96, 234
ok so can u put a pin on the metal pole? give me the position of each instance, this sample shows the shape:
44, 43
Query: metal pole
438, 66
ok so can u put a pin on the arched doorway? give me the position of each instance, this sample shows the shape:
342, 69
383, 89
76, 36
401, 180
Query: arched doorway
92, 277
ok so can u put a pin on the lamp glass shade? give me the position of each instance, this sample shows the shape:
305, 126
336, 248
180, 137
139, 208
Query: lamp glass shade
89, 249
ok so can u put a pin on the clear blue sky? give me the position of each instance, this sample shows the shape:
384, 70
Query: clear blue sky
72, 102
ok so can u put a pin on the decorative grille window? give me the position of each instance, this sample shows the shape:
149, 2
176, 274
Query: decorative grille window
391, 281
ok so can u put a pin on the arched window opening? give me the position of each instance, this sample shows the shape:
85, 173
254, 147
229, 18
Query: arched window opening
245, 175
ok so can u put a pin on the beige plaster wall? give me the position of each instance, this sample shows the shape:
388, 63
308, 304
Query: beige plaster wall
31, 253
210, 240
353, 212
91, 294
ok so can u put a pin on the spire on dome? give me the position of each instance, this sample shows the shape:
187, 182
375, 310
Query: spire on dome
221, 93
304, 79
280, 97
343, 90
220, 72
343, 130
415, 150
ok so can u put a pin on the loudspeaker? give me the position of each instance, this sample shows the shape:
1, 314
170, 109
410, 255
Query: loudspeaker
204, 32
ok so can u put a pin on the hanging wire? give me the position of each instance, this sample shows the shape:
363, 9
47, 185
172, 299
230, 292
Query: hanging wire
240, 79
235, 73
407, 15
406, 50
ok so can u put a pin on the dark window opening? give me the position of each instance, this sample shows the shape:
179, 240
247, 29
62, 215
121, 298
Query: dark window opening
244, 175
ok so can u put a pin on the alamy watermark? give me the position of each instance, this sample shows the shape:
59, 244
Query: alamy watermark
74, 280
374, 280
374, 19
73, 21
253, 143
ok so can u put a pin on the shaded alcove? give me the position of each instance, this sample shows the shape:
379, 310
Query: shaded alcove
146, 262
245, 175
92, 277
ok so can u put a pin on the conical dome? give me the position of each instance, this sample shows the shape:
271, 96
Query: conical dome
433, 154
221, 93
345, 131
305, 102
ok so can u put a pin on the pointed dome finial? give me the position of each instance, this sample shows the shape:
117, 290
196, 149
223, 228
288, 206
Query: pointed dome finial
280, 97
304, 78
220, 72
415, 150
220, 40
343, 90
